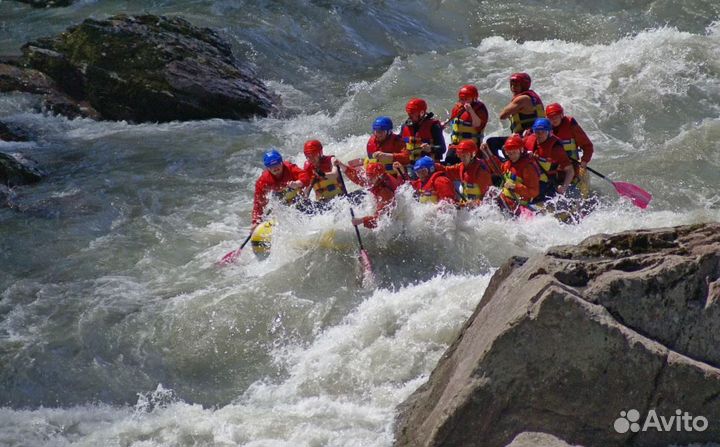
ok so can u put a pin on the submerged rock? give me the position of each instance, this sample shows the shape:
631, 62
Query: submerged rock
149, 68
569, 342
8, 134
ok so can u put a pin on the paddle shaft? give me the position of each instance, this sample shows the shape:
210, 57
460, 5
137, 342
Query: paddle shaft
352, 213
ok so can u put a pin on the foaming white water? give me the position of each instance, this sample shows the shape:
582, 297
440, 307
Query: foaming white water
339, 390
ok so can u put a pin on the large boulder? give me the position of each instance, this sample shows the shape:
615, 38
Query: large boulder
570, 342
150, 68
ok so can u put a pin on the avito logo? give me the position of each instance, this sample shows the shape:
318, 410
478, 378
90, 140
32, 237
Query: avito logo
681, 421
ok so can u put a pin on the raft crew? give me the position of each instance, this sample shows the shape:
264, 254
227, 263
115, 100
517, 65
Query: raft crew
381, 185
521, 184
468, 119
558, 171
386, 147
283, 179
473, 174
575, 141
422, 133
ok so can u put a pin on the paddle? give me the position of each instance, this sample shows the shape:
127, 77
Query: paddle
367, 273
638, 196
230, 257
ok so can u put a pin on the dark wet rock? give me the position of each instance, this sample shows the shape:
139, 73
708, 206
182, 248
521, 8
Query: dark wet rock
17, 169
47, 3
562, 343
11, 133
149, 68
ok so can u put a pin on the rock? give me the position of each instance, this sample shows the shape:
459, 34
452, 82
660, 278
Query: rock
16, 169
149, 68
566, 341
47, 3
532, 439
8, 134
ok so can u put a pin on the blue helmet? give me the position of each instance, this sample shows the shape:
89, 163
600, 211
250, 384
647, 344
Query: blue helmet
382, 123
542, 124
425, 163
272, 158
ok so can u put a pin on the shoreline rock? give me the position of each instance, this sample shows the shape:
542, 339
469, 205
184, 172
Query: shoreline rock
562, 343
47, 3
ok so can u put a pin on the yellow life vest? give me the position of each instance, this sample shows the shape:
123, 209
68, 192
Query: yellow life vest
287, 195
326, 189
471, 191
464, 130
571, 148
412, 145
428, 197
520, 121
388, 166
511, 194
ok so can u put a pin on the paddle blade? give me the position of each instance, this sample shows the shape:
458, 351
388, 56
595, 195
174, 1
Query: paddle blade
368, 278
636, 194
229, 257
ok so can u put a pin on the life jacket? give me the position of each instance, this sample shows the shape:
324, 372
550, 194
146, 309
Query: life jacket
427, 193
564, 133
326, 189
391, 144
513, 173
462, 128
472, 191
520, 121
414, 138
287, 195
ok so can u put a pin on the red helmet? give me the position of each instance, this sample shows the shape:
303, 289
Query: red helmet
466, 147
468, 93
416, 105
313, 147
523, 79
513, 142
553, 110
374, 170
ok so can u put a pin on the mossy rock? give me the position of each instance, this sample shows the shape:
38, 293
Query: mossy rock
150, 68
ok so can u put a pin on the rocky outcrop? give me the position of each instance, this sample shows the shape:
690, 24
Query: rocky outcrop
562, 343
16, 169
8, 134
47, 3
149, 68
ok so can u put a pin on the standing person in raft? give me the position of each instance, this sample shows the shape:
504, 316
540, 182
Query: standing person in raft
386, 147
283, 179
422, 133
524, 108
468, 119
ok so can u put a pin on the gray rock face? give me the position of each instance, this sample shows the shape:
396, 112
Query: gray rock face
562, 343
149, 68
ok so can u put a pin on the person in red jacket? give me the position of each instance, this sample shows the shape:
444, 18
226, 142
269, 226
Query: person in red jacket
381, 185
386, 147
432, 185
551, 157
422, 133
574, 141
473, 173
468, 119
521, 174
284, 179
320, 169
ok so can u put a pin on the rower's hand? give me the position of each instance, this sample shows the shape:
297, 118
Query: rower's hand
583, 164
426, 148
295, 184
467, 106
340, 164
561, 189
357, 221
509, 184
